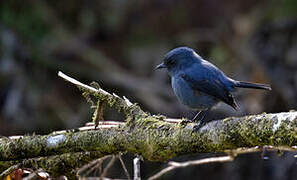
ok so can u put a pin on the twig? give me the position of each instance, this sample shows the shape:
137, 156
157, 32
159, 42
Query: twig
110, 163
260, 149
98, 113
124, 167
173, 120
99, 90
104, 123
136, 162
123, 105
76, 82
174, 165
101, 126
89, 126
83, 169
97, 164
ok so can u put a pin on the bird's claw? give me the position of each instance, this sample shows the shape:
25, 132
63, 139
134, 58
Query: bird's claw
199, 125
186, 121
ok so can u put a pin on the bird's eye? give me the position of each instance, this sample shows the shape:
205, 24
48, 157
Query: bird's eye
170, 62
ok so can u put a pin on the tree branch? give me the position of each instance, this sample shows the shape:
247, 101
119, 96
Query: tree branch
175, 165
155, 137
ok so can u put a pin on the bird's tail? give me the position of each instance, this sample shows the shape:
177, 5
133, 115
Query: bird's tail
242, 84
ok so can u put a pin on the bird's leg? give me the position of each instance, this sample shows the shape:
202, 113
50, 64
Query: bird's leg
196, 116
191, 120
201, 121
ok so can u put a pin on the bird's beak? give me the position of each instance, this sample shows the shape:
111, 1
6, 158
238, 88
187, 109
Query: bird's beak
160, 66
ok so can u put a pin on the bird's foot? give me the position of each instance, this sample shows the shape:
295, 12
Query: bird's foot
186, 121
199, 125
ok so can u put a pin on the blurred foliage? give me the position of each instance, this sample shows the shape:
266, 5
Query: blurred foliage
24, 19
282, 9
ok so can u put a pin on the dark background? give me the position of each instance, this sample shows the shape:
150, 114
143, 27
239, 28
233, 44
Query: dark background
118, 43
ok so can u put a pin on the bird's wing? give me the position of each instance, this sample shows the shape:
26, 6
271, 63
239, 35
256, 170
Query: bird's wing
212, 86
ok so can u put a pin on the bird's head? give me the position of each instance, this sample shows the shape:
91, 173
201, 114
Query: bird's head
179, 58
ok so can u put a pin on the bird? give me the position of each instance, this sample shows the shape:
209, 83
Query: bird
199, 84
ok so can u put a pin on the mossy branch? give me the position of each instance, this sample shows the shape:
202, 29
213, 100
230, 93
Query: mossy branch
123, 105
155, 137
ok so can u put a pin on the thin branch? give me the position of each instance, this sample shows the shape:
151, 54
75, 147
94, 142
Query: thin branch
233, 154
108, 166
124, 167
85, 169
245, 150
97, 165
173, 120
123, 105
136, 165
105, 123
175, 165
79, 84
89, 126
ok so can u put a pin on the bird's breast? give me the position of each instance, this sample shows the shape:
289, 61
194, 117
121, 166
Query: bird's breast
191, 97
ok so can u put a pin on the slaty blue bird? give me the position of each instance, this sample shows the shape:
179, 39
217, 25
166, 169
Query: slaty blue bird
199, 84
